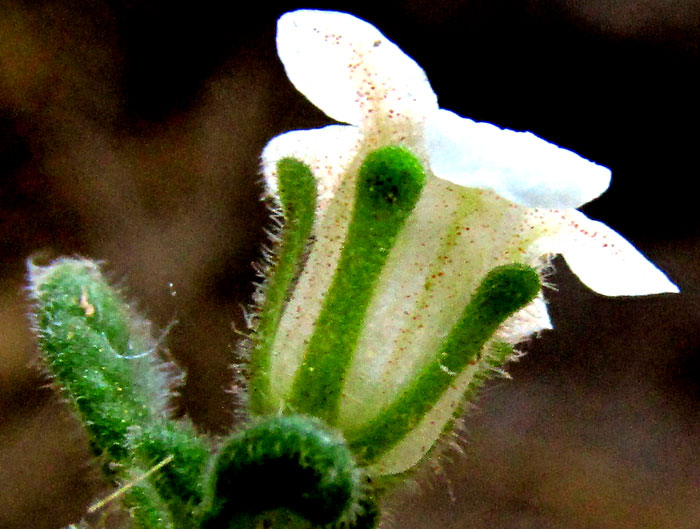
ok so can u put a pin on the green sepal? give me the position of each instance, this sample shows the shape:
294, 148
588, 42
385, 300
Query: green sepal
390, 182
504, 290
494, 356
297, 195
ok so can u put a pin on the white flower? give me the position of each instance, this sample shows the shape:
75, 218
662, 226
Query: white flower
348, 69
492, 197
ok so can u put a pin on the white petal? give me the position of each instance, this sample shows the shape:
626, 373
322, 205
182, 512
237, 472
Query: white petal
538, 315
529, 320
602, 259
327, 151
532, 318
348, 69
518, 166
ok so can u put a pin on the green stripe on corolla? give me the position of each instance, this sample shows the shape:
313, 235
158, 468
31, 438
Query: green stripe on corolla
297, 194
503, 291
390, 182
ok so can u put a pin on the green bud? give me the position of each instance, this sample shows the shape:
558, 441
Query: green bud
97, 352
292, 463
104, 362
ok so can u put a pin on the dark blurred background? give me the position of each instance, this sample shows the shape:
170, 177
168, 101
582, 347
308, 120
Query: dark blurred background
130, 133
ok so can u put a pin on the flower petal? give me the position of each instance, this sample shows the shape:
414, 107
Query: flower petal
529, 320
518, 166
327, 151
348, 69
602, 259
